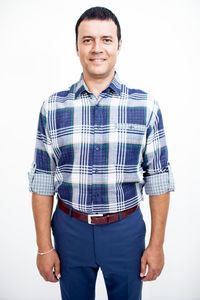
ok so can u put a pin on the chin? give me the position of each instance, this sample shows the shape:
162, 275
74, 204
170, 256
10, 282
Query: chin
98, 72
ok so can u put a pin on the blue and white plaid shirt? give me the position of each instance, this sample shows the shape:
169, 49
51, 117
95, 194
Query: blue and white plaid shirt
97, 154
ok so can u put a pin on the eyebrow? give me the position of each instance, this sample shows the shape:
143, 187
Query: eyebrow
89, 36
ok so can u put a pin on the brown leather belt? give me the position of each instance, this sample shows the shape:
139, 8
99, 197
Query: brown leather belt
96, 218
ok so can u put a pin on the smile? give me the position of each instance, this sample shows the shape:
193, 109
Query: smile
98, 59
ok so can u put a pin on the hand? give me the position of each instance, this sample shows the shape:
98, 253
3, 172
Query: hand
48, 265
154, 258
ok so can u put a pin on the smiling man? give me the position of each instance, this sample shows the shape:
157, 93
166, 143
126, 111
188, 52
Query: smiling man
99, 143
97, 46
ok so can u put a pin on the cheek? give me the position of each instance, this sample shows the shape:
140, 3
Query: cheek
82, 52
113, 56
82, 56
113, 53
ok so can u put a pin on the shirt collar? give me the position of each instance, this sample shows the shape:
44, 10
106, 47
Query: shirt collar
81, 86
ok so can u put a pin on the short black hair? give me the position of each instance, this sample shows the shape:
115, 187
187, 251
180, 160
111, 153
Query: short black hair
98, 13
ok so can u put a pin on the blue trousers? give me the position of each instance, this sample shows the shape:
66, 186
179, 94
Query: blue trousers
116, 248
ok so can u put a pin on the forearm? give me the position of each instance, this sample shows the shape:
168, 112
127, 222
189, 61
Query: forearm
159, 205
42, 210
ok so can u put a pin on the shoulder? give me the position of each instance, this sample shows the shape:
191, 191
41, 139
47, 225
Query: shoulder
144, 101
141, 97
56, 100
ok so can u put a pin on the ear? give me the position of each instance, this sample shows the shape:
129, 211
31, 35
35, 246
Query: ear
119, 46
76, 46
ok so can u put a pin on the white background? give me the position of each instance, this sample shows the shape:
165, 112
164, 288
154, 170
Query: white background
160, 55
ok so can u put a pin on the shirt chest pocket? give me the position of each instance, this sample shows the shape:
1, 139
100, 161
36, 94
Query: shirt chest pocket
130, 133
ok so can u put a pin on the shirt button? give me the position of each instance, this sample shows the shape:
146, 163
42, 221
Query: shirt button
97, 148
96, 171
96, 194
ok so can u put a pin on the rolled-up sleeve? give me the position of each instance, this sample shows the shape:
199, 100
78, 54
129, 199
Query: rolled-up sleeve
41, 174
158, 174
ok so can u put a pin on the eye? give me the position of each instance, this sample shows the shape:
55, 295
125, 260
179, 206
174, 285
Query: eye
107, 41
87, 41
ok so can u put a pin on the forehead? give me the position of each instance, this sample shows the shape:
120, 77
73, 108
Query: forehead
97, 28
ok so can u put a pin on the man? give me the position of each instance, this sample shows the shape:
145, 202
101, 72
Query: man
98, 144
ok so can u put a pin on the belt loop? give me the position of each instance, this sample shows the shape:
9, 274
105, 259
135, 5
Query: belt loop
120, 215
70, 211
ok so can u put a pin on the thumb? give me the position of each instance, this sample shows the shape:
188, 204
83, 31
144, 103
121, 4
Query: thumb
57, 269
143, 267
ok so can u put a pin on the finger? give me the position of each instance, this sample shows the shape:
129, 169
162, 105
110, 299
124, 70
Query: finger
57, 269
49, 276
44, 276
149, 276
154, 277
143, 267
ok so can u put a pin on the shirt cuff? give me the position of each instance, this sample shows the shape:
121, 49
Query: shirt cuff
42, 184
161, 183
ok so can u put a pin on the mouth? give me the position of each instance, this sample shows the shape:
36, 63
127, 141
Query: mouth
97, 59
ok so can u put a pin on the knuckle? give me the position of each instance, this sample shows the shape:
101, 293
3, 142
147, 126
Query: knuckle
57, 262
48, 274
143, 262
159, 272
154, 278
42, 272
154, 270
50, 279
143, 258
47, 270
148, 279
44, 276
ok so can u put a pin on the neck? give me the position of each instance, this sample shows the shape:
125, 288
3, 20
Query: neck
98, 84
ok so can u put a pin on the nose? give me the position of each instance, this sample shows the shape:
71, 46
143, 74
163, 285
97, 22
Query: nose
97, 47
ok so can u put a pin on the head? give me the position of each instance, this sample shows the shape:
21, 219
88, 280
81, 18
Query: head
98, 13
98, 41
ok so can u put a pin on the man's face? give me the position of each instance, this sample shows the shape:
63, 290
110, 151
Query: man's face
98, 47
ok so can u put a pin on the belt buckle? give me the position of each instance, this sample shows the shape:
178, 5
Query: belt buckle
96, 215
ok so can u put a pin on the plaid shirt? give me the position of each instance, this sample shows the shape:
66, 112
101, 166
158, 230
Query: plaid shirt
97, 154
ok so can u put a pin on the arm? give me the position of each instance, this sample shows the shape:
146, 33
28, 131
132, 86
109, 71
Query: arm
158, 183
41, 184
153, 255
42, 210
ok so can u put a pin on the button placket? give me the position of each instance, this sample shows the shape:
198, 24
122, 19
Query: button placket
96, 153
